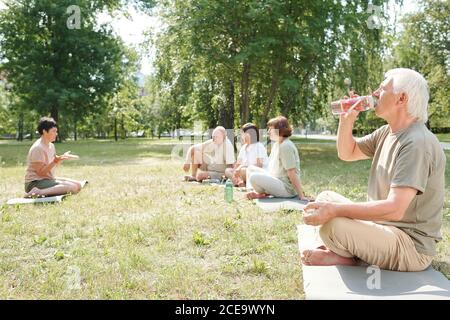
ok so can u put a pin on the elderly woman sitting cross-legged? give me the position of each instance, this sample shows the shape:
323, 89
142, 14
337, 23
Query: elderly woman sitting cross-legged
282, 178
42, 161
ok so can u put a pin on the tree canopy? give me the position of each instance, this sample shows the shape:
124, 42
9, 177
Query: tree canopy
223, 62
265, 56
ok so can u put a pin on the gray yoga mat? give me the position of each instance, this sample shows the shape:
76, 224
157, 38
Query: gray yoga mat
41, 200
37, 200
275, 204
359, 282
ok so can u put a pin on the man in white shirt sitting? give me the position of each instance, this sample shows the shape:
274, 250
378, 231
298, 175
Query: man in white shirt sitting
209, 160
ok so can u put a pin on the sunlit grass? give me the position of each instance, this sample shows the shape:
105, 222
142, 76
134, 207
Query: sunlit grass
136, 231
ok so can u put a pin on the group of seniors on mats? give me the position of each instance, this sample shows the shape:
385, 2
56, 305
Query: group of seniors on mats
396, 229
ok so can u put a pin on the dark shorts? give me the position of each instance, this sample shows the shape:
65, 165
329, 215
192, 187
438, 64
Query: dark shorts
40, 184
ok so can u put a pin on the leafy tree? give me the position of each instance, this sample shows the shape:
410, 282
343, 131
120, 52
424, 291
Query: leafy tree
252, 59
55, 67
424, 46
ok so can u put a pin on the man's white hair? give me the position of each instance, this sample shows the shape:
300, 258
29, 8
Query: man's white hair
416, 88
220, 129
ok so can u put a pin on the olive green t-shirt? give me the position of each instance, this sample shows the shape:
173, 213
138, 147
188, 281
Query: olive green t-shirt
283, 157
412, 157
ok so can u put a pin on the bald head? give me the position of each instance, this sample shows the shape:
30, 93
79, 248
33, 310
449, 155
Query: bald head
219, 134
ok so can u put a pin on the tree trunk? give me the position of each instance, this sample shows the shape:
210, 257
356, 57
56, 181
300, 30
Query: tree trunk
20, 128
271, 97
226, 112
178, 126
230, 104
222, 111
75, 133
276, 73
54, 113
245, 94
122, 127
212, 118
288, 98
116, 137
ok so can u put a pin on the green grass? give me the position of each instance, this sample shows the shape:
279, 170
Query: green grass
137, 232
443, 137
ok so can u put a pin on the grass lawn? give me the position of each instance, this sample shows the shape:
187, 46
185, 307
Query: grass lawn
137, 232
443, 137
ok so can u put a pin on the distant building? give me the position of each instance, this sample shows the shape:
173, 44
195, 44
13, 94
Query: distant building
140, 81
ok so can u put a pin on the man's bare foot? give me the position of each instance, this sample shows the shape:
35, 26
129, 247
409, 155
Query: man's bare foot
325, 257
255, 195
34, 193
186, 167
200, 176
83, 183
189, 178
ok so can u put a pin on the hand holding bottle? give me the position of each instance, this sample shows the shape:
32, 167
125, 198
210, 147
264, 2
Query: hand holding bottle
350, 107
352, 113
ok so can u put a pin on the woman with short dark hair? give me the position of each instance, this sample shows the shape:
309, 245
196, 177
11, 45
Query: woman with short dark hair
282, 178
252, 153
42, 161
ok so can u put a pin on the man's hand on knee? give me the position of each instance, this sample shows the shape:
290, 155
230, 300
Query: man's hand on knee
318, 213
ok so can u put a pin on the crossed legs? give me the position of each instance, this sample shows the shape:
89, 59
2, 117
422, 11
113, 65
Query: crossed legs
194, 161
64, 186
349, 240
238, 179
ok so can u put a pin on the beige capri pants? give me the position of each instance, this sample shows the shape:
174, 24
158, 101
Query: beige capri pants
206, 162
387, 247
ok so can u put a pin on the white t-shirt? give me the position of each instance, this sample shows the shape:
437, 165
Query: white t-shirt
250, 153
218, 156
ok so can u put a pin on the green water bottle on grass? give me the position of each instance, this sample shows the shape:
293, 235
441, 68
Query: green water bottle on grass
229, 191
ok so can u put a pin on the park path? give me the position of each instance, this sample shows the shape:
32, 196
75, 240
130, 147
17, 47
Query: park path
445, 145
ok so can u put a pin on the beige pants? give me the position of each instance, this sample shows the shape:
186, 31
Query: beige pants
206, 162
387, 247
262, 182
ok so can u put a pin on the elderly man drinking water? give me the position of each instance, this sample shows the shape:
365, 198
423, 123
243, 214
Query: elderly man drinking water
399, 226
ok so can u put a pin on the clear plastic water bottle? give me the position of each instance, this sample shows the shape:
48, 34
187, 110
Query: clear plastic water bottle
229, 191
362, 103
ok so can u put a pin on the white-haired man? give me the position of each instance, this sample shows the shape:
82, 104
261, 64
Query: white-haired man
210, 159
399, 225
